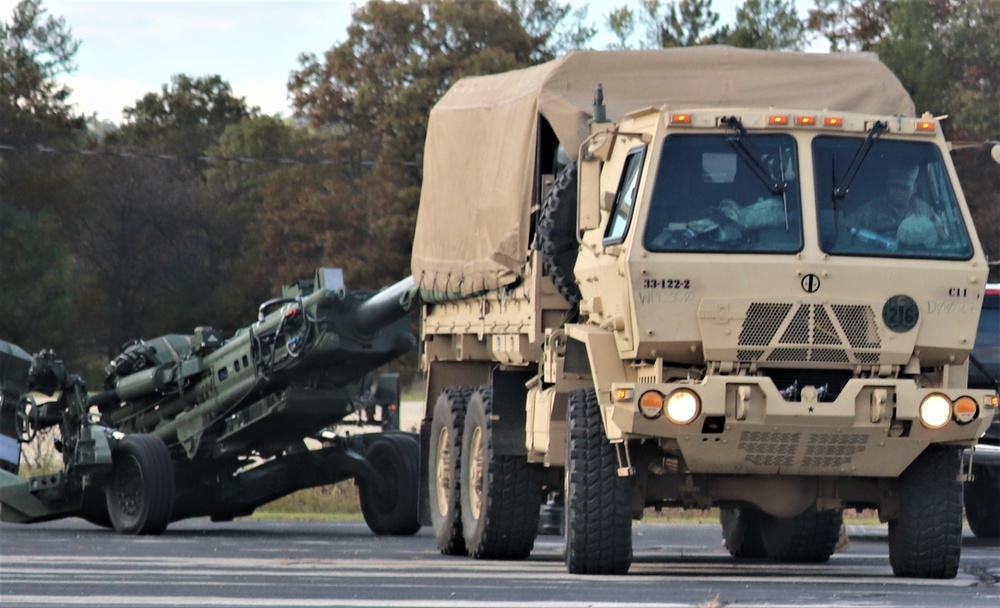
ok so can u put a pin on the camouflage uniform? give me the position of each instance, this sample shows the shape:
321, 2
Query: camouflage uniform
881, 216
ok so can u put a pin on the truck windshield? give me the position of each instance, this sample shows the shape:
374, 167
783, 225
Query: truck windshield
900, 203
709, 197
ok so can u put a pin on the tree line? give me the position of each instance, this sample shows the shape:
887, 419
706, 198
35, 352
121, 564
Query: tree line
158, 226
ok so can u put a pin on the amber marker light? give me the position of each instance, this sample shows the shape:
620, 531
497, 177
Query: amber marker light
623, 394
805, 121
680, 119
966, 410
777, 120
927, 126
833, 121
651, 404
994, 400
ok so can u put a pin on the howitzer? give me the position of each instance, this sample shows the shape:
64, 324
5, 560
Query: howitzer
195, 425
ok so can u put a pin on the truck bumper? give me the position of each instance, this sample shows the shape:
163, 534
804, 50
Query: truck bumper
743, 425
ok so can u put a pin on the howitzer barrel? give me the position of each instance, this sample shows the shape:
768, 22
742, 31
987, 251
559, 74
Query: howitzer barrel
385, 307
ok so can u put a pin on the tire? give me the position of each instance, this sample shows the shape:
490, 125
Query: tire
391, 510
557, 233
741, 532
982, 501
925, 541
501, 495
140, 491
808, 538
444, 469
598, 502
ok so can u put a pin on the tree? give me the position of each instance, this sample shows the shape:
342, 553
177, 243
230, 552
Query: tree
34, 51
668, 24
185, 118
768, 25
371, 96
37, 283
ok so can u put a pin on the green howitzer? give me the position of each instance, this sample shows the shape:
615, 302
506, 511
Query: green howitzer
197, 425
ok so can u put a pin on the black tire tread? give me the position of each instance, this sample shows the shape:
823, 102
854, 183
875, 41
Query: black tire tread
159, 492
741, 532
448, 534
982, 501
925, 541
809, 537
556, 233
511, 497
403, 520
598, 501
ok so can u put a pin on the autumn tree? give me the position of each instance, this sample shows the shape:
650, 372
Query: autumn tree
372, 94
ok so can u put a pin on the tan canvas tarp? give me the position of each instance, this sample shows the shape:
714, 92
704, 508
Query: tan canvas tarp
479, 156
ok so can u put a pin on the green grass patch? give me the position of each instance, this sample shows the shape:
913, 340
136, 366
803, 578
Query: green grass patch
338, 502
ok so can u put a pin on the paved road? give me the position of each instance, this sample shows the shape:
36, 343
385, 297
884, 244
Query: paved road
286, 564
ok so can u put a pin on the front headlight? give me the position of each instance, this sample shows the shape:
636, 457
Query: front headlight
935, 411
683, 406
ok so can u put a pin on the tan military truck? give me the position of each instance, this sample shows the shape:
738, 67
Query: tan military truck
735, 279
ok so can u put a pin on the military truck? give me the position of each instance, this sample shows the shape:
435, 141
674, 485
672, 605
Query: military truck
200, 425
982, 490
646, 285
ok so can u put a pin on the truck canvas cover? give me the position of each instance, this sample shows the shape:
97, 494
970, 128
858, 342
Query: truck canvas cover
479, 157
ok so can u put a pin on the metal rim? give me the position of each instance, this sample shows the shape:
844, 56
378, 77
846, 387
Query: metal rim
128, 488
476, 460
444, 472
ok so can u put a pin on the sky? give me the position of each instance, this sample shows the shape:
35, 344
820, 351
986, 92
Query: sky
132, 47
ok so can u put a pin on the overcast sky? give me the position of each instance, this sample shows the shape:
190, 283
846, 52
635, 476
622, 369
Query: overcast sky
132, 47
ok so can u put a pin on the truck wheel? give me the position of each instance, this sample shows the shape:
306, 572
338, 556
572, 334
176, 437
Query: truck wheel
809, 537
925, 541
393, 510
444, 469
557, 233
741, 532
598, 502
982, 501
501, 495
140, 491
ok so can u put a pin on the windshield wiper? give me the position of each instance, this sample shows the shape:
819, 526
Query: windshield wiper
859, 157
743, 145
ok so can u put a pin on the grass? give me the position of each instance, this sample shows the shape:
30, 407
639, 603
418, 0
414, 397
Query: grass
338, 502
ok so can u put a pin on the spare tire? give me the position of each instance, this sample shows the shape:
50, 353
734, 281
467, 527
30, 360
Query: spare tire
557, 240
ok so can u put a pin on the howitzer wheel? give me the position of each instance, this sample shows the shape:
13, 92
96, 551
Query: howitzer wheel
140, 491
390, 508
444, 469
982, 501
598, 502
741, 532
501, 495
925, 541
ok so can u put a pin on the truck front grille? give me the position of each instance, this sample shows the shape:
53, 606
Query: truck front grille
819, 333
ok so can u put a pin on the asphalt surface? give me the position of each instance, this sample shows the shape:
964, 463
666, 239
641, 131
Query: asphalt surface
295, 564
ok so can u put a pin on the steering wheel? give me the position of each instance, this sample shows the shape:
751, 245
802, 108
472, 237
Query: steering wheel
26, 414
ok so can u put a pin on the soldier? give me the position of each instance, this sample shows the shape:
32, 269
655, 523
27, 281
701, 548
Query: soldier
899, 215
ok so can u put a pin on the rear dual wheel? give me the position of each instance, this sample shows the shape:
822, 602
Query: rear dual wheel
444, 469
500, 494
